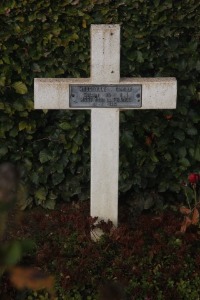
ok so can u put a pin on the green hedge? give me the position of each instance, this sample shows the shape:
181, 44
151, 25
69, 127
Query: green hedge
50, 38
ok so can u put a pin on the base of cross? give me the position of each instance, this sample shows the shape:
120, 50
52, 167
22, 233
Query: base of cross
96, 234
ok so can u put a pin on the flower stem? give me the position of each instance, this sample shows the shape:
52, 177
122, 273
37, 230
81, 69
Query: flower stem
187, 199
195, 195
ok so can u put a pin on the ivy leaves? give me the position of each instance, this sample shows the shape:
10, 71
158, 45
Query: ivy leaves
20, 87
52, 39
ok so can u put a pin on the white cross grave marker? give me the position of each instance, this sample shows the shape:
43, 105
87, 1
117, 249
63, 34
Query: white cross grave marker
105, 93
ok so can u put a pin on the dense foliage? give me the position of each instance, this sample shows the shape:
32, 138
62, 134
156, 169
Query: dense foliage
151, 261
44, 38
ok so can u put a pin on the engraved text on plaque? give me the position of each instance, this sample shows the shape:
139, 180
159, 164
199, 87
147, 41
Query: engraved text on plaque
122, 96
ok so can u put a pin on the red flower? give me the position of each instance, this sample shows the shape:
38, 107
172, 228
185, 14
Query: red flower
193, 178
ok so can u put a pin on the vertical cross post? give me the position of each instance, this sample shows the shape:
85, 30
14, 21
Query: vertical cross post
105, 69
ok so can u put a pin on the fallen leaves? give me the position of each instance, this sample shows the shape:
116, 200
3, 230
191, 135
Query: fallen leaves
33, 279
195, 216
184, 210
186, 223
191, 217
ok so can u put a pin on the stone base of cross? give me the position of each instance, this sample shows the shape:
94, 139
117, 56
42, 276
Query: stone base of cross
105, 94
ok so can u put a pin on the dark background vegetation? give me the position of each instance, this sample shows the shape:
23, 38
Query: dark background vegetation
43, 38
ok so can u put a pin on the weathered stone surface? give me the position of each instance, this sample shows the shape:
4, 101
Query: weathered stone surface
105, 54
157, 93
105, 163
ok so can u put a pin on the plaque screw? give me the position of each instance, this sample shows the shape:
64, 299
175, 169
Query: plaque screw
72, 95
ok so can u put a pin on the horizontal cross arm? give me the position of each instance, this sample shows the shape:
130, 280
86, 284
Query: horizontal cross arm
157, 93
54, 93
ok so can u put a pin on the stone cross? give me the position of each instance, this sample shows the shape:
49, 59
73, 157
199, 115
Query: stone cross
105, 93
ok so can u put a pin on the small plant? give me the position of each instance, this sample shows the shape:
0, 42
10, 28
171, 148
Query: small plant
191, 212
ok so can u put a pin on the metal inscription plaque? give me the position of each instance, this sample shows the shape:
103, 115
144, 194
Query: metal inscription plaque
112, 95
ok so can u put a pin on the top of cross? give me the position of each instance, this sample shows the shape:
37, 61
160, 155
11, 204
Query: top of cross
105, 70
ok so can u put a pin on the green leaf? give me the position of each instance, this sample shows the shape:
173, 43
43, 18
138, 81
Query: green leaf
163, 186
168, 156
128, 138
153, 157
148, 202
34, 177
180, 135
20, 87
182, 152
40, 194
192, 131
140, 58
2, 106
45, 156
49, 204
65, 125
156, 2
74, 148
197, 152
74, 37
22, 125
2, 81
18, 106
57, 178
184, 162
3, 151
22, 196
13, 254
